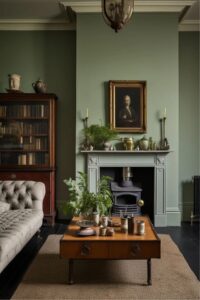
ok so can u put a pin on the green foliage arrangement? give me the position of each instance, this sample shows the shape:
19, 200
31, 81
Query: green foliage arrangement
81, 201
97, 135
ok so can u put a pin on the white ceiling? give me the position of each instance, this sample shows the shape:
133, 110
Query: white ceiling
51, 9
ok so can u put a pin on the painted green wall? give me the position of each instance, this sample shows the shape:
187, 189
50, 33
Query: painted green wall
146, 49
50, 55
189, 138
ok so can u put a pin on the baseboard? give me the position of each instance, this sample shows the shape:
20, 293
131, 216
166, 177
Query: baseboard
173, 218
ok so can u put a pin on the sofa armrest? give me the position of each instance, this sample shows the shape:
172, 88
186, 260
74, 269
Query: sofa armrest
37, 192
22, 194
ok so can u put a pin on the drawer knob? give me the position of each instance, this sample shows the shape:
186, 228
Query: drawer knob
85, 249
135, 249
13, 176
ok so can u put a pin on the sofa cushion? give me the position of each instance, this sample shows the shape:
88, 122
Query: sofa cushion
16, 229
4, 206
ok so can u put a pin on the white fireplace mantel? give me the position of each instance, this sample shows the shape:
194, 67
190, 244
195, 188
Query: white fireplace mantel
156, 159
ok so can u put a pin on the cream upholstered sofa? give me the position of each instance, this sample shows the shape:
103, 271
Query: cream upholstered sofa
21, 216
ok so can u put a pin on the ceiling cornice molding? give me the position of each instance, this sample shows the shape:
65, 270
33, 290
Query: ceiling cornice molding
189, 25
139, 6
48, 24
35, 24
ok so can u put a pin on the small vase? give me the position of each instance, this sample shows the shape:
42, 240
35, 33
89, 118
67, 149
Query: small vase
39, 87
95, 218
104, 221
106, 146
128, 143
144, 143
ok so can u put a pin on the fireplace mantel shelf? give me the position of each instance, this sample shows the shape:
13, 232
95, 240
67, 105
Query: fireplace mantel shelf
127, 151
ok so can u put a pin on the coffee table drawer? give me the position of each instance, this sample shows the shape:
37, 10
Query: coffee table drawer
84, 250
134, 250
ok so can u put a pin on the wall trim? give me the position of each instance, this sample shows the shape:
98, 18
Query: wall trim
172, 209
36, 24
189, 25
46, 24
140, 6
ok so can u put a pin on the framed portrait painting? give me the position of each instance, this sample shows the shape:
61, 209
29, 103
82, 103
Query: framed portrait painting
128, 106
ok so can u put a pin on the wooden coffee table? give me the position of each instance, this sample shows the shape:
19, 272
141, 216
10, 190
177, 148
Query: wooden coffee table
119, 246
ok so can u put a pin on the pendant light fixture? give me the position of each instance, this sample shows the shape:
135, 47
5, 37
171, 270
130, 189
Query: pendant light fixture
117, 13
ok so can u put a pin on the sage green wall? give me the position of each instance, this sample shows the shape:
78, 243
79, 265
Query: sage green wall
50, 55
146, 49
189, 154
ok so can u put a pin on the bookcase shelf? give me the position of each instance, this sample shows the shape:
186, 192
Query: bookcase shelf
23, 151
27, 141
22, 119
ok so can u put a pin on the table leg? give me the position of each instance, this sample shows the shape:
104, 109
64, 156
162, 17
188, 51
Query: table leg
71, 271
149, 271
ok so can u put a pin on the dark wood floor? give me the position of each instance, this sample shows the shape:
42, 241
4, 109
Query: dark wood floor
186, 237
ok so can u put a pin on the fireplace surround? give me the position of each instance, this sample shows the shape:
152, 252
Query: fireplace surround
96, 160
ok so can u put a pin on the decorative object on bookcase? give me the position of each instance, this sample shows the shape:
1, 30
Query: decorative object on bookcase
14, 82
27, 142
39, 86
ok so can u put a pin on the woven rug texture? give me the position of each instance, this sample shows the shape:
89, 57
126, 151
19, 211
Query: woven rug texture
47, 276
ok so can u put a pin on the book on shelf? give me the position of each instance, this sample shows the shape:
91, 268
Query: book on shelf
37, 144
3, 109
22, 159
24, 110
31, 158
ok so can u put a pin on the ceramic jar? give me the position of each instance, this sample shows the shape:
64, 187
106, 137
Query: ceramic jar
144, 143
39, 86
140, 227
128, 143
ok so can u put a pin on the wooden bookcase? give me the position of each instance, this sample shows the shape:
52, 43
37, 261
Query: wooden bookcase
27, 142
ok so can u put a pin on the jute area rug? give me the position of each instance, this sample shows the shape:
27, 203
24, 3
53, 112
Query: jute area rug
47, 277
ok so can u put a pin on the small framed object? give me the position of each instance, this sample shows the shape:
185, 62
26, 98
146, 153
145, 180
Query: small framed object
128, 106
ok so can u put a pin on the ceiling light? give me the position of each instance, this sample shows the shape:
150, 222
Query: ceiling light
117, 13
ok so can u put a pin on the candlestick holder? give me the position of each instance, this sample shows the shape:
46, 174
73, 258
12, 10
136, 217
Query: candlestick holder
164, 145
86, 145
85, 122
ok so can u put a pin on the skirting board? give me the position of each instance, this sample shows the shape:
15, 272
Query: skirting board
173, 218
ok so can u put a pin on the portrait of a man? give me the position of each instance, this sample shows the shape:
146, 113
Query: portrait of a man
128, 106
126, 115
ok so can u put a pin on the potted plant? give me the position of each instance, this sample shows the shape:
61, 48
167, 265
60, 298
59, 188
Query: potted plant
83, 202
98, 135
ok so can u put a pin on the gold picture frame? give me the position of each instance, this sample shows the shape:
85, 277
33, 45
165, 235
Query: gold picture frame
128, 106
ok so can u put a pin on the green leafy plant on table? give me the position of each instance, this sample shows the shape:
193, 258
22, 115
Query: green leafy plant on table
97, 135
83, 202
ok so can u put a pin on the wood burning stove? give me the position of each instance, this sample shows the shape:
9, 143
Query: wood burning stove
125, 195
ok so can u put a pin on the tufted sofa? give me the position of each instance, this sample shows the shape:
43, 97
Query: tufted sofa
21, 216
